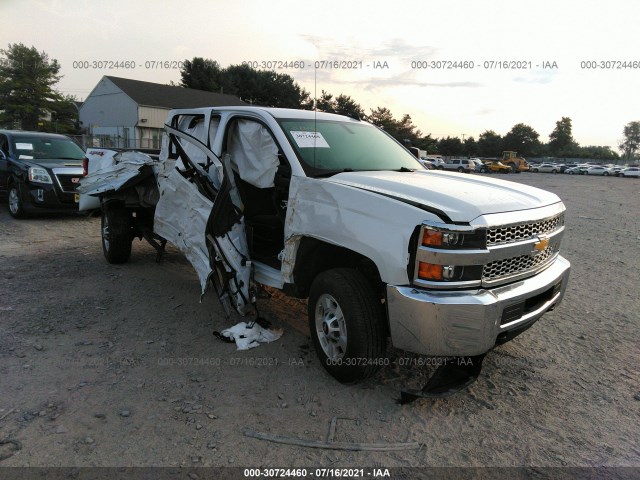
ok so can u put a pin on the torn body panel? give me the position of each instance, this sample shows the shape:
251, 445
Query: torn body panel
110, 171
181, 217
199, 216
368, 223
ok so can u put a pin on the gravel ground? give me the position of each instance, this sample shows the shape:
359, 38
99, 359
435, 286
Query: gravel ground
104, 365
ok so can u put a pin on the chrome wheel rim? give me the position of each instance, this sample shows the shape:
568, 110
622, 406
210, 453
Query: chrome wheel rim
331, 328
14, 201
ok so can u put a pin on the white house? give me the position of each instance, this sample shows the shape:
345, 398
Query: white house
120, 112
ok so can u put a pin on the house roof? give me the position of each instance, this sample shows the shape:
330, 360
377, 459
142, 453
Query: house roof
166, 96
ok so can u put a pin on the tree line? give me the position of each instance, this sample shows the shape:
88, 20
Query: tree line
29, 101
268, 88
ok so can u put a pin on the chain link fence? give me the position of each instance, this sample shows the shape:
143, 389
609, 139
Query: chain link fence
116, 141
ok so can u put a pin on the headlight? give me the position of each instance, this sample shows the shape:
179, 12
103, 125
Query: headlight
433, 272
433, 254
40, 175
435, 237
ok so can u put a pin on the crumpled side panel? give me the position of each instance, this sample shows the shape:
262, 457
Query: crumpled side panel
112, 175
233, 246
181, 217
368, 223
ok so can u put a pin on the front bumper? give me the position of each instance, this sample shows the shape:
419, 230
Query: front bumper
471, 322
38, 197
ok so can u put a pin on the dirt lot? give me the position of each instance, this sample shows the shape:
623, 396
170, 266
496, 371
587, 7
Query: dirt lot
104, 365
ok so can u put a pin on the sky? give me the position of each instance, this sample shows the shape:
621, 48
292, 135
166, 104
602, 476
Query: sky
402, 38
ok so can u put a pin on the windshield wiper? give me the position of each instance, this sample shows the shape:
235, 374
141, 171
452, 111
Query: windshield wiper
332, 172
405, 169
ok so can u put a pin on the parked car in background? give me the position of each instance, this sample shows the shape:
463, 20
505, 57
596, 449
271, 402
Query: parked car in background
598, 170
546, 168
495, 166
579, 170
565, 166
629, 172
39, 172
458, 164
428, 164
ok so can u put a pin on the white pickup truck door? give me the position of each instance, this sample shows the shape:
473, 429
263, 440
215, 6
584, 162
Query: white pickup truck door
196, 212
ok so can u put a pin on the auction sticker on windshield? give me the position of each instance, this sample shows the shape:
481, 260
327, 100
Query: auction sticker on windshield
24, 146
309, 139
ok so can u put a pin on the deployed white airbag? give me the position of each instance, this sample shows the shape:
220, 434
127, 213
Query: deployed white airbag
254, 153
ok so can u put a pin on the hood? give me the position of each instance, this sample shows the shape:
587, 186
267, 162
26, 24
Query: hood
461, 197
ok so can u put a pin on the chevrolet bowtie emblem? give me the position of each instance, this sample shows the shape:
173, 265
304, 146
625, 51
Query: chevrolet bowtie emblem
541, 245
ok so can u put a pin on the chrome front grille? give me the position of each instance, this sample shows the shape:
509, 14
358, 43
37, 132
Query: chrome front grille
517, 265
515, 233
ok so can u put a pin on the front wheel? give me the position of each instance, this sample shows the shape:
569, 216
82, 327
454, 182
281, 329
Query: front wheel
16, 207
605, 174
535, 170
460, 169
346, 325
116, 233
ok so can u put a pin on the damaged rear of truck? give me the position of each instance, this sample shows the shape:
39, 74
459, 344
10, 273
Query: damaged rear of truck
332, 209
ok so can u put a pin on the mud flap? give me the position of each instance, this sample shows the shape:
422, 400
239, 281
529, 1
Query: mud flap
451, 377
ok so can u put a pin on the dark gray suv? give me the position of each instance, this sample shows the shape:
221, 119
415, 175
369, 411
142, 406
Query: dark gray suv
39, 172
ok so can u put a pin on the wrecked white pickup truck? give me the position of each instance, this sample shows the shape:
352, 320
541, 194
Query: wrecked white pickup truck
332, 209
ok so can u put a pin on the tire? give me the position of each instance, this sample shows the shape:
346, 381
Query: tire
460, 170
570, 173
439, 167
554, 171
116, 234
483, 170
513, 168
605, 174
347, 325
14, 201
535, 170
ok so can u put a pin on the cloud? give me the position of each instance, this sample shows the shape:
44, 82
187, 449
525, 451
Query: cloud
537, 77
337, 77
397, 48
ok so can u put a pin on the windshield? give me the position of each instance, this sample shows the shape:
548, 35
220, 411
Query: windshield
326, 146
50, 148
